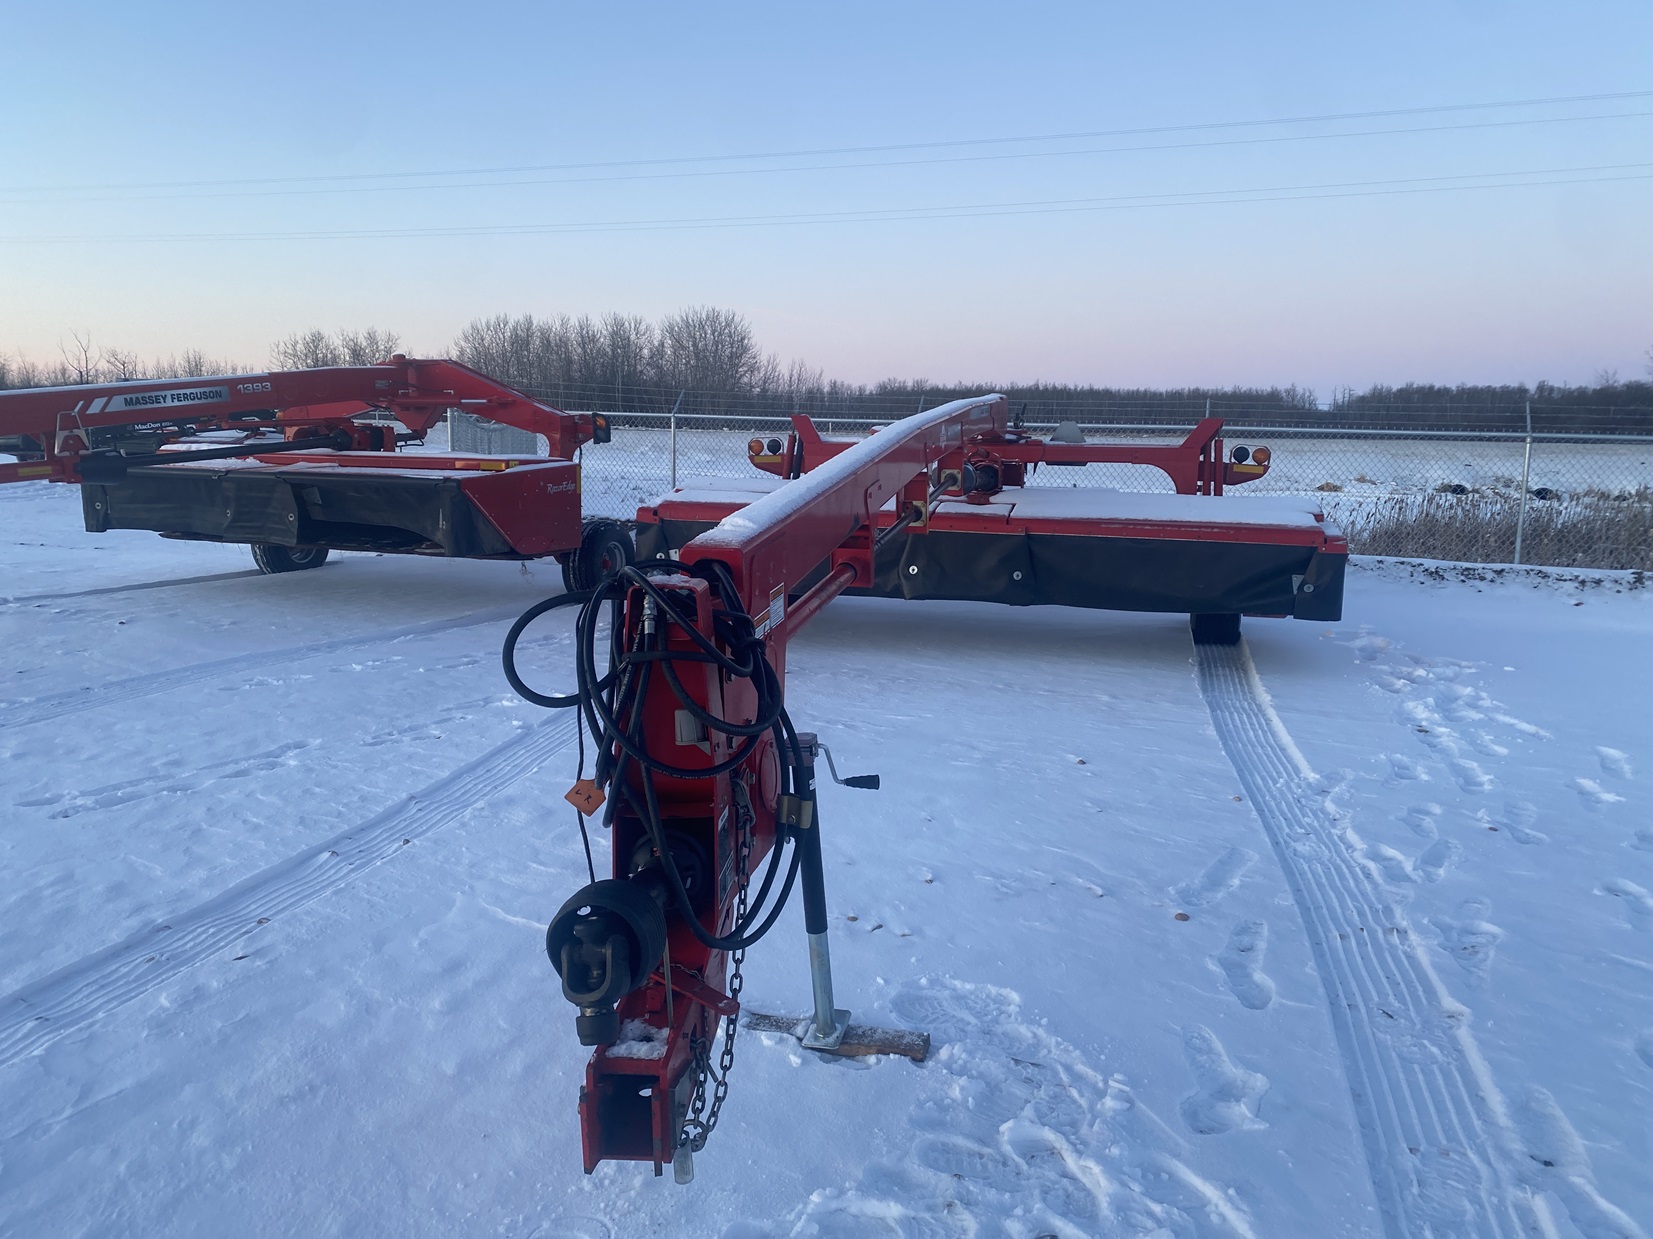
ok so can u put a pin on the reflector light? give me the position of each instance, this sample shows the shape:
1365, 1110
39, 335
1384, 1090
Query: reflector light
754, 447
1260, 455
774, 447
1241, 455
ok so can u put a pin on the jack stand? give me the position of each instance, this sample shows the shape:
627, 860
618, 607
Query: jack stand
826, 1030
829, 1029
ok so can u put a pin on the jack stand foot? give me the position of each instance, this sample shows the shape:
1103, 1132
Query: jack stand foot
859, 1040
814, 1039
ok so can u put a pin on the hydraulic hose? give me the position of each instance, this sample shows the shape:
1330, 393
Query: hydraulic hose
611, 699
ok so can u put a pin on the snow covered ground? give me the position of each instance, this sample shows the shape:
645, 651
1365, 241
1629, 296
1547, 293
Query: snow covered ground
1350, 938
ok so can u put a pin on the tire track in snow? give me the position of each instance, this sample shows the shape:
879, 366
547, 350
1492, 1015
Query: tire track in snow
29, 599
1440, 1145
27, 710
76, 995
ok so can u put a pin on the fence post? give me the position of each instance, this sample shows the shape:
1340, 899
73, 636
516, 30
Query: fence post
1526, 473
675, 405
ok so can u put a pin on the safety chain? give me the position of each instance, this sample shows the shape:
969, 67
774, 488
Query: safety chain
702, 1119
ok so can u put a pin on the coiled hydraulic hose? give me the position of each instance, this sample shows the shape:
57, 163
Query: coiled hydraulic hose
611, 699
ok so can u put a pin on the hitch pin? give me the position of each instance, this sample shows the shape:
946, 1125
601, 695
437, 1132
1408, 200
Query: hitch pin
867, 781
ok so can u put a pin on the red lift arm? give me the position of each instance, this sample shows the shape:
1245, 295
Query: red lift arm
63, 425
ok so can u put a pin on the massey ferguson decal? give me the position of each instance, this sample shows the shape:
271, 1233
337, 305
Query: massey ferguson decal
167, 399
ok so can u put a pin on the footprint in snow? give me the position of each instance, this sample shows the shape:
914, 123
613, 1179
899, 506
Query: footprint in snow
1469, 775
1014, 1123
1446, 1181
1472, 939
1595, 796
1458, 704
1522, 726
1227, 1096
1556, 1162
1220, 877
1428, 726
1516, 821
1388, 864
1436, 859
1638, 904
1421, 819
1404, 770
1242, 963
1615, 763
1368, 647
1487, 745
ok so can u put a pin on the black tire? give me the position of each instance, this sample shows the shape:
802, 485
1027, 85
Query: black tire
1215, 629
605, 548
272, 557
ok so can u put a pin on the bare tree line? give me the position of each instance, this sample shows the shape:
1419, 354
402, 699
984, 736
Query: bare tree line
307, 350
699, 359
703, 359
81, 361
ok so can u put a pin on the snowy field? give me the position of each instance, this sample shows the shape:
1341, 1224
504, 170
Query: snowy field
1350, 938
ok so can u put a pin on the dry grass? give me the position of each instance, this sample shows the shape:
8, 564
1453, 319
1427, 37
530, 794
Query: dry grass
1590, 530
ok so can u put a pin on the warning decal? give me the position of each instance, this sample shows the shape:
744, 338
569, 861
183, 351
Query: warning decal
775, 612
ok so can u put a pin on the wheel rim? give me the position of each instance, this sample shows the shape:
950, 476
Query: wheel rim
610, 561
306, 554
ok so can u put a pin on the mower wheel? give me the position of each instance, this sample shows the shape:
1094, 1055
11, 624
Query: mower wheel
605, 548
1215, 629
272, 557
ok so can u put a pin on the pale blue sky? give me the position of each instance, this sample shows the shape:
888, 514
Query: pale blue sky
1538, 282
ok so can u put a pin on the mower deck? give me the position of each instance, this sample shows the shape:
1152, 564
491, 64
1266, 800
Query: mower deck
1101, 549
475, 507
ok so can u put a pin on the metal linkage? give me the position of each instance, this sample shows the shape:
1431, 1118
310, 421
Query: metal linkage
997, 457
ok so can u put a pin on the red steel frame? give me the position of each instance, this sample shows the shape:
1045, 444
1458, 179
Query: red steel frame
296, 402
1195, 466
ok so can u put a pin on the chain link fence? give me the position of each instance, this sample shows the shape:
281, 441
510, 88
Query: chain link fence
1500, 496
